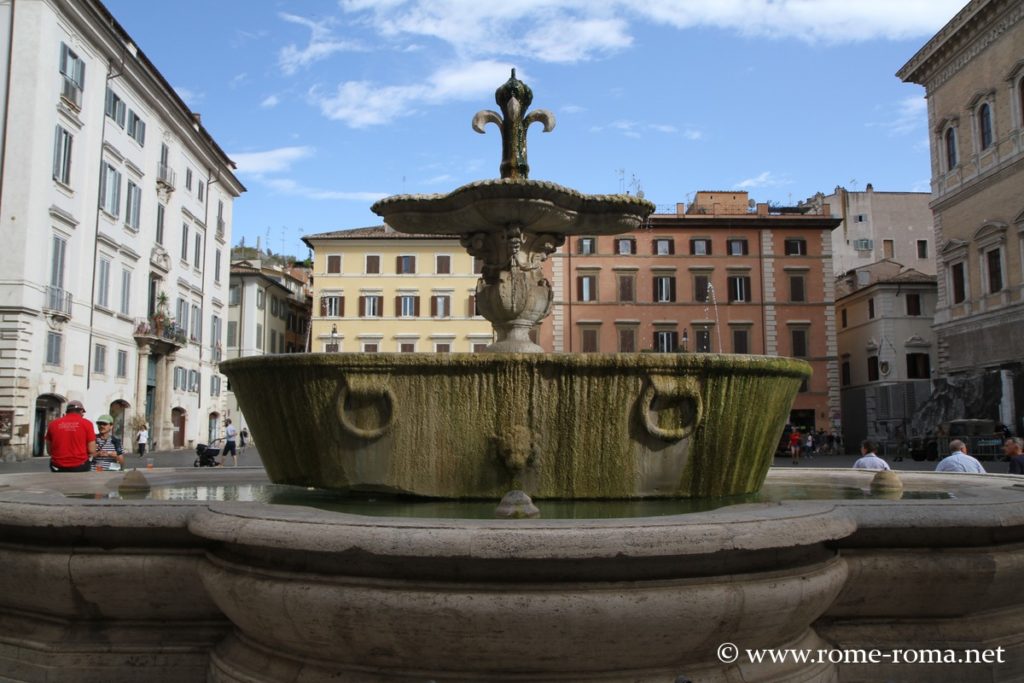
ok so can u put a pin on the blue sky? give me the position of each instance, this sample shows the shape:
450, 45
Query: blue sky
327, 105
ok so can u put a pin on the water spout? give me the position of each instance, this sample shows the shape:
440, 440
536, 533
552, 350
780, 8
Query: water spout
718, 327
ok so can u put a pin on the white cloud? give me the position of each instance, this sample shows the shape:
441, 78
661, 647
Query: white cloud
290, 187
238, 80
360, 104
322, 44
436, 180
568, 31
572, 109
634, 129
270, 101
191, 97
270, 161
693, 134
910, 115
561, 31
764, 179
833, 21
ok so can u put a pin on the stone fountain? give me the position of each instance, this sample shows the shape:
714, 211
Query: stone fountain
180, 587
557, 425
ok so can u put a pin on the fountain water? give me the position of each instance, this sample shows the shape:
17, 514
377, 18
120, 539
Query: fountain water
718, 325
558, 425
170, 590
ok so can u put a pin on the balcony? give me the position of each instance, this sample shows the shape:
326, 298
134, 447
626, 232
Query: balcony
58, 302
164, 334
165, 176
71, 93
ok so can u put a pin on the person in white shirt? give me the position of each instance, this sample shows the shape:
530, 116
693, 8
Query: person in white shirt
141, 440
868, 459
959, 461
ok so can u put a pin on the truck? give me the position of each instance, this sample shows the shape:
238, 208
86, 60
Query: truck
984, 439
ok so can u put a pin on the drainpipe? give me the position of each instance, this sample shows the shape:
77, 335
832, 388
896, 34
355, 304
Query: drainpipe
111, 75
568, 293
202, 281
7, 101
764, 318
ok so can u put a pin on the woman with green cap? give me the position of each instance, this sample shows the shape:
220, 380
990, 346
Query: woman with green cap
109, 452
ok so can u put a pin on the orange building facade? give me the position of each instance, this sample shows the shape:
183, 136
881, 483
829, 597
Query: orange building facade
718, 277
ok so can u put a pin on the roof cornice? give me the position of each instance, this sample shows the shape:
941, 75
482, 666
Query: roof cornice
960, 40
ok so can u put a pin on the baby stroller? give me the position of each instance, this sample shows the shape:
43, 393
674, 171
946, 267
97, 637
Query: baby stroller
207, 456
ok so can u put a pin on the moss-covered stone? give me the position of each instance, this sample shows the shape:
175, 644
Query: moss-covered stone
454, 425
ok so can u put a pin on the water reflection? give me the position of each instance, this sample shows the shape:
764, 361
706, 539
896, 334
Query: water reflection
389, 506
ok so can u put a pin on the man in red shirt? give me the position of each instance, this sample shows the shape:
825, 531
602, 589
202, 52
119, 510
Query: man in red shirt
71, 440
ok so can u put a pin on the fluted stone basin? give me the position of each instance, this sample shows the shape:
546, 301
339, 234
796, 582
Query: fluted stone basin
556, 425
535, 206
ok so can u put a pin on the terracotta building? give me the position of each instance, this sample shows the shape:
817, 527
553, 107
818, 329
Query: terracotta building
718, 277
973, 74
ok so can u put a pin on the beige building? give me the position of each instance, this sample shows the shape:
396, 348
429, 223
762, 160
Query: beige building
973, 74
886, 351
375, 289
879, 225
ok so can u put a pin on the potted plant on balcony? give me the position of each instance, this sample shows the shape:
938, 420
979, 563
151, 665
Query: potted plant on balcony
160, 317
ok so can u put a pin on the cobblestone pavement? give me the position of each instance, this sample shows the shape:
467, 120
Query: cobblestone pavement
251, 458
178, 458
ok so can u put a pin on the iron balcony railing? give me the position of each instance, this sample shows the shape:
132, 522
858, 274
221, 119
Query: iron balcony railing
58, 301
160, 328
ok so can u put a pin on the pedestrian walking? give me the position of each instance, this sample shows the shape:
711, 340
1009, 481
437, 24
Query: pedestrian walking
794, 446
230, 442
142, 440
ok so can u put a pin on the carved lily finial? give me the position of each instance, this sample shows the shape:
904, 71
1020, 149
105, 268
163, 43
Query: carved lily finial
514, 98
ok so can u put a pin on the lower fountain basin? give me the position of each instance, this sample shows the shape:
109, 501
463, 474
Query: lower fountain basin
556, 425
169, 590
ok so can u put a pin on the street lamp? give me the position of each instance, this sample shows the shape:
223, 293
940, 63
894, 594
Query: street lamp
686, 340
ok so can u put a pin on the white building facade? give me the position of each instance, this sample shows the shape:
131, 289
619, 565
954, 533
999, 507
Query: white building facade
262, 303
116, 205
879, 225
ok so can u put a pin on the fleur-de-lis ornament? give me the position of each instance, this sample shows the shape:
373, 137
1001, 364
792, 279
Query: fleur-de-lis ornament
514, 98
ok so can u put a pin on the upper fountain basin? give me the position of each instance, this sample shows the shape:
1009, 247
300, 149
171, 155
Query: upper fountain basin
535, 206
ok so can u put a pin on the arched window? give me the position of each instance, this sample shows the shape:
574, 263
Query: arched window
950, 148
985, 125
1020, 101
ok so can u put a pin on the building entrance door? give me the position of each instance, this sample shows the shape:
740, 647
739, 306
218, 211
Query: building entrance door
178, 418
47, 409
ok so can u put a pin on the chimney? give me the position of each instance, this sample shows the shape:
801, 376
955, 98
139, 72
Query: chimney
680, 208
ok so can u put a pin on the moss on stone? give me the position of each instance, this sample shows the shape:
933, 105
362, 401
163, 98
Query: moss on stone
440, 416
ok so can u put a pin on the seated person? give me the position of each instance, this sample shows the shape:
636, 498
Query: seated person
109, 452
